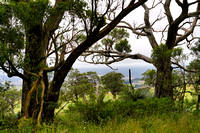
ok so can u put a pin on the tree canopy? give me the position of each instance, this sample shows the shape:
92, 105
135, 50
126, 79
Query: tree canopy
39, 37
113, 82
165, 32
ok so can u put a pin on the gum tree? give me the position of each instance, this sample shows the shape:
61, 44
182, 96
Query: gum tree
37, 39
173, 28
113, 82
79, 85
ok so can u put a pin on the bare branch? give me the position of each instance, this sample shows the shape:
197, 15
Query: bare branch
167, 11
190, 30
12, 71
113, 56
181, 67
148, 28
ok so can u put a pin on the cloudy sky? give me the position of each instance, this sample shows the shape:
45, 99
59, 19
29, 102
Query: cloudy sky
141, 45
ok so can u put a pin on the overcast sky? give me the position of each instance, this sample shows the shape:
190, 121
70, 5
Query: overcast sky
141, 45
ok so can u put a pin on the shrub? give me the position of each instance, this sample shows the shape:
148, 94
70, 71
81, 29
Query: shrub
98, 113
134, 94
95, 112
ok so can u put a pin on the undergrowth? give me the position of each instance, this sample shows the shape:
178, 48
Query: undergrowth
149, 115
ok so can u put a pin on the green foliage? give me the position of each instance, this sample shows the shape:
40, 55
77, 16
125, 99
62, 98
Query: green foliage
119, 33
149, 115
95, 112
177, 52
107, 41
81, 85
196, 49
113, 82
5, 15
118, 39
32, 13
161, 54
177, 79
26, 125
194, 65
128, 94
11, 34
101, 112
9, 98
123, 46
149, 77
174, 122
86, 13
11, 41
80, 38
194, 78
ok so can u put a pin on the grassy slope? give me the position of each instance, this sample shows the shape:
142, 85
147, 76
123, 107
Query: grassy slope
184, 123
153, 124
65, 123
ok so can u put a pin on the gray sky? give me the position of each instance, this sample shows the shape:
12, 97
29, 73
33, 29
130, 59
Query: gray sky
141, 45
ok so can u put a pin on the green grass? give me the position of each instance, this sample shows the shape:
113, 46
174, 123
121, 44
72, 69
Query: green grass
73, 122
153, 124
187, 94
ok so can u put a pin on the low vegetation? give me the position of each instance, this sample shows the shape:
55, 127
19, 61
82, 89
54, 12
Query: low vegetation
133, 111
90, 104
41, 40
118, 116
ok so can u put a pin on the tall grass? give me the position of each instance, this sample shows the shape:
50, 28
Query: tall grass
174, 123
153, 124
141, 116
183, 123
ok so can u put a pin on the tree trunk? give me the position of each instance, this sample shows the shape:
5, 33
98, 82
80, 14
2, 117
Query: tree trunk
51, 100
52, 96
12, 109
114, 96
163, 85
34, 62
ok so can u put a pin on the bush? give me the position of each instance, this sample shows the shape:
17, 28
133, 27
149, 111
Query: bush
102, 112
145, 107
94, 112
134, 94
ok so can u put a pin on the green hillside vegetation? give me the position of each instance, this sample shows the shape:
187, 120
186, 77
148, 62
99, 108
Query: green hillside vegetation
40, 41
116, 116
131, 111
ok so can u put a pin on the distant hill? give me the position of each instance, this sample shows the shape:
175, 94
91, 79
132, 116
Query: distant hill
133, 80
136, 72
136, 82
